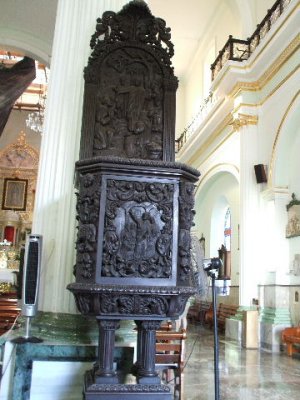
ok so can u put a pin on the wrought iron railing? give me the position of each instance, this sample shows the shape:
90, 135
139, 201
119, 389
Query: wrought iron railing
234, 50
204, 108
240, 50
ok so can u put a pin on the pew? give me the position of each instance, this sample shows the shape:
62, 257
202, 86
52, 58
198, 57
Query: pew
170, 353
223, 311
9, 311
291, 337
198, 310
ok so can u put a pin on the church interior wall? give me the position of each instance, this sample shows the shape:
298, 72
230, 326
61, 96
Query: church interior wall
222, 188
225, 23
218, 143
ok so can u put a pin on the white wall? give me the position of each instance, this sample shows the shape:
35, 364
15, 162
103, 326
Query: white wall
225, 23
222, 188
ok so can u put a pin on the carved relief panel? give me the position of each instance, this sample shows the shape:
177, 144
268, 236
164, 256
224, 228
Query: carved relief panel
129, 106
128, 120
137, 239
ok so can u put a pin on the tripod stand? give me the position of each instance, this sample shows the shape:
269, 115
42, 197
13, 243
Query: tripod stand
214, 274
212, 266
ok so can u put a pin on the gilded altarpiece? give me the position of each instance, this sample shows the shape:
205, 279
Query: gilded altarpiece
18, 175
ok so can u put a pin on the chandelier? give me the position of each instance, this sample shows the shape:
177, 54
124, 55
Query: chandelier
35, 120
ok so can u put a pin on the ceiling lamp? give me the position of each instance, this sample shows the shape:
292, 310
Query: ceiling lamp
35, 119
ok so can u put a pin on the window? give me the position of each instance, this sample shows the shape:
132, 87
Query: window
227, 229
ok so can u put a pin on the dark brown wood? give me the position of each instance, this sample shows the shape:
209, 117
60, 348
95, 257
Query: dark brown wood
170, 355
291, 338
129, 101
134, 203
9, 312
105, 372
198, 310
224, 311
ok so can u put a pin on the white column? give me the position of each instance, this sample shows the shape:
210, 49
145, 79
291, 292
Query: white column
54, 215
281, 247
249, 211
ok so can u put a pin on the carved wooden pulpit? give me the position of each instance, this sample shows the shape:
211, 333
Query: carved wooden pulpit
135, 204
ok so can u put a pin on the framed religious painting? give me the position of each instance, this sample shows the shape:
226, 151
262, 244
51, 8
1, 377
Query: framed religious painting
14, 194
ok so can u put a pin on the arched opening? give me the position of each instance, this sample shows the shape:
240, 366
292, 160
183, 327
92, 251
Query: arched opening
20, 143
217, 217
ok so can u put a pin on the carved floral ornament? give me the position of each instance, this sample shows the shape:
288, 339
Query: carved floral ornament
241, 120
130, 87
127, 26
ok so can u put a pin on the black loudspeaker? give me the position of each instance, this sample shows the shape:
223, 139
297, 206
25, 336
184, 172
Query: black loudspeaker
30, 288
260, 173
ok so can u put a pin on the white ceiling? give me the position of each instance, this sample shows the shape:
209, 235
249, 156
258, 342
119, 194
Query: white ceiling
188, 20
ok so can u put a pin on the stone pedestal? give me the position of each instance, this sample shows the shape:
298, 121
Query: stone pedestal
270, 336
273, 321
250, 338
233, 329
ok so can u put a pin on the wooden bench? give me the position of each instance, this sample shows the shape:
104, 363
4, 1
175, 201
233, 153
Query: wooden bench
198, 310
223, 311
9, 311
170, 354
291, 337
166, 326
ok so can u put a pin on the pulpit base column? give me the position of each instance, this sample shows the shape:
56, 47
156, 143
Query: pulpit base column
94, 391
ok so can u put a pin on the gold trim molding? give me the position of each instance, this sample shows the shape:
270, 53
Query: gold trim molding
243, 120
270, 72
212, 137
274, 149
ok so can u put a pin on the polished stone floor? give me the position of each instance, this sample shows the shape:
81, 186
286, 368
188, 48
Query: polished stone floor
244, 374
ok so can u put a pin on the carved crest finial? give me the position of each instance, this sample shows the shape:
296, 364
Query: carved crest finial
134, 23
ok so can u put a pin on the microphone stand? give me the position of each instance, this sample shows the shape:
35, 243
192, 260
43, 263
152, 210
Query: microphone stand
214, 274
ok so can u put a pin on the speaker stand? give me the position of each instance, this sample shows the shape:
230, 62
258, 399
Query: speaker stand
27, 338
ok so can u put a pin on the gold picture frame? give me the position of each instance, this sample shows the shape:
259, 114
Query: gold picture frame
14, 194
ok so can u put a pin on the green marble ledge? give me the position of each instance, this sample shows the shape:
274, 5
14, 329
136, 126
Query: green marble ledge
239, 316
277, 316
69, 328
66, 337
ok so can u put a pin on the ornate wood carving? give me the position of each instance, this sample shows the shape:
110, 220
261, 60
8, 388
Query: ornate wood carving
88, 205
129, 106
186, 217
138, 229
134, 203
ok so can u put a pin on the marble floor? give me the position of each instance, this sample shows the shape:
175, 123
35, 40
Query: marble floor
244, 374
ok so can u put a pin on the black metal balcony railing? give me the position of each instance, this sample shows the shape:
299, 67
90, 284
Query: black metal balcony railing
203, 110
234, 50
240, 50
